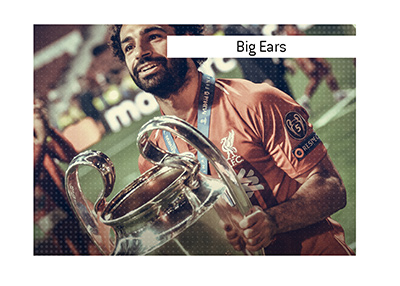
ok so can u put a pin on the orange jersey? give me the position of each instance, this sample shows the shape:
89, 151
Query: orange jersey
254, 125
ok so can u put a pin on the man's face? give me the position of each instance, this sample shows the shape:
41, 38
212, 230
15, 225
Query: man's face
145, 49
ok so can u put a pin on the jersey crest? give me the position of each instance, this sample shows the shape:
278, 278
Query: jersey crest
230, 150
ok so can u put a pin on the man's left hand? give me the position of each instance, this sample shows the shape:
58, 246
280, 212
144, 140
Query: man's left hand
258, 229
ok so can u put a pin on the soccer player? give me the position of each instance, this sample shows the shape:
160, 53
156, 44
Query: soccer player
264, 135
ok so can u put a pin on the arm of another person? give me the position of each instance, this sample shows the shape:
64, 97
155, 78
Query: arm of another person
57, 146
321, 194
40, 133
60, 147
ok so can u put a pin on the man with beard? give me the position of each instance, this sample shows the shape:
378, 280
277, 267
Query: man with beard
283, 165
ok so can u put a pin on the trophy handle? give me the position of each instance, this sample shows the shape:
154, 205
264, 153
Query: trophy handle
192, 136
84, 208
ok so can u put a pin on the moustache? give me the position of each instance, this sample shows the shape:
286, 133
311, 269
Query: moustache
161, 60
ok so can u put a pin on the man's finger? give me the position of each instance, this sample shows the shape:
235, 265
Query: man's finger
250, 219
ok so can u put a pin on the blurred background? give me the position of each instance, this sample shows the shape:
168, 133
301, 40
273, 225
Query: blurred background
93, 102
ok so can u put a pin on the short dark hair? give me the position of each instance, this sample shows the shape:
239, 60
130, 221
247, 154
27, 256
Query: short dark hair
115, 43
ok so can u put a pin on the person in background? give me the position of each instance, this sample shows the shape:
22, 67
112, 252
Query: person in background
316, 70
57, 230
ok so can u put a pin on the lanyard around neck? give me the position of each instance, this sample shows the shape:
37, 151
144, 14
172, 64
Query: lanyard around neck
206, 97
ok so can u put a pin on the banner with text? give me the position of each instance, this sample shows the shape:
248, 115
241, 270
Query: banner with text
262, 46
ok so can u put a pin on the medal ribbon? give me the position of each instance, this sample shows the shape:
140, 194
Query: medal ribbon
206, 98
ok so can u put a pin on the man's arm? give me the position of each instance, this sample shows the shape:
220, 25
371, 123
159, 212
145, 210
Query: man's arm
322, 193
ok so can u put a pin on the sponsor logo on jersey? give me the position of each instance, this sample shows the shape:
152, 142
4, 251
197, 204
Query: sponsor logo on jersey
296, 125
250, 182
227, 147
306, 146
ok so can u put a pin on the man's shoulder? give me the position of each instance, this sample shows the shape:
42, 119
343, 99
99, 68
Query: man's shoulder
242, 91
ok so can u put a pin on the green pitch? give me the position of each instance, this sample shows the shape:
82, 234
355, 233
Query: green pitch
335, 125
337, 129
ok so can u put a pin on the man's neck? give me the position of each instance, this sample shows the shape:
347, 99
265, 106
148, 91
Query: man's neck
181, 102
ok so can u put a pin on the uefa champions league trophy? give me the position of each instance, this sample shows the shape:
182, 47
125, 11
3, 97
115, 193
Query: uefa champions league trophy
170, 209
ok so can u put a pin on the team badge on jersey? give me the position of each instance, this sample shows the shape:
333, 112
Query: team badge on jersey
296, 125
227, 146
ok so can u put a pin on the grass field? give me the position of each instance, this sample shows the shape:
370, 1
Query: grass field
336, 126
338, 134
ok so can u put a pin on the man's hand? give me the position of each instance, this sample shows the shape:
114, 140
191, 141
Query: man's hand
258, 229
233, 236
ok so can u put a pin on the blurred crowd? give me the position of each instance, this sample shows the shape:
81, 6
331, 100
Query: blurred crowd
96, 93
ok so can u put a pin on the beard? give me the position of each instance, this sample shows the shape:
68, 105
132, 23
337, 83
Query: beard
169, 79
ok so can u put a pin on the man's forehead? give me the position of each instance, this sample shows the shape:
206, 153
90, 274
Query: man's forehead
142, 29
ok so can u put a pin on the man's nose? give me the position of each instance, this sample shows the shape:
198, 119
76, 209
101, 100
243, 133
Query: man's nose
142, 50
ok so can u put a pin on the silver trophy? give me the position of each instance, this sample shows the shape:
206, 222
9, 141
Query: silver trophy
171, 209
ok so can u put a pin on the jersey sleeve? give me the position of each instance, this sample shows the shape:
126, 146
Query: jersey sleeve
288, 136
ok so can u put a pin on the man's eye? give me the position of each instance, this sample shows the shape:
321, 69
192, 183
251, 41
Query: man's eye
128, 48
154, 36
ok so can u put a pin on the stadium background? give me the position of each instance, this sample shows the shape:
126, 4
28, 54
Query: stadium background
65, 53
